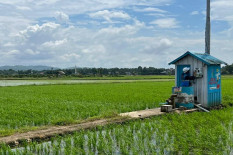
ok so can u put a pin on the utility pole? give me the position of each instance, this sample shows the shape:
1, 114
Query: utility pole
75, 70
208, 29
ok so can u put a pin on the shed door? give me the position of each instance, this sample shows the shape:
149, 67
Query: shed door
214, 85
179, 73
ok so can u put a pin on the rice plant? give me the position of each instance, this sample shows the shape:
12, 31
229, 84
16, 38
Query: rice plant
26, 107
196, 133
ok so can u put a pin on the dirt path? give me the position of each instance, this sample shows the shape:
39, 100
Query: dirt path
43, 134
143, 113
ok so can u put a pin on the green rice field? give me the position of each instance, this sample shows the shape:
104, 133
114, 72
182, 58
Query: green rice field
35, 106
30, 107
196, 133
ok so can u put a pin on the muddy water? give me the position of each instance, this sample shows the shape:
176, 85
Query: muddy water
39, 82
5, 83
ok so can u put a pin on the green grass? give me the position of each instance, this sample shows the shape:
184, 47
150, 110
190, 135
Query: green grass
196, 133
227, 91
227, 76
28, 106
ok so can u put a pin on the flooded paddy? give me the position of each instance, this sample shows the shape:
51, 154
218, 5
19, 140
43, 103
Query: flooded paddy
5, 83
150, 136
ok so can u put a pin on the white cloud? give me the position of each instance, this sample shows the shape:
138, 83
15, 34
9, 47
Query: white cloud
61, 17
29, 34
43, 28
13, 52
70, 57
150, 45
150, 9
160, 15
98, 49
149, 2
9, 44
54, 43
24, 8
158, 46
46, 8
36, 34
165, 43
109, 15
106, 47
31, 52
45, 2
166, 23
222, 10
194, 13
122, 31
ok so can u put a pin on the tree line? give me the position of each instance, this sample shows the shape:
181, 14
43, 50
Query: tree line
87, 72
91, 72
227, 70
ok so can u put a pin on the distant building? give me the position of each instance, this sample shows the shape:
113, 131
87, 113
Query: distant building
170, 71
164, 72
61, 73
128, 73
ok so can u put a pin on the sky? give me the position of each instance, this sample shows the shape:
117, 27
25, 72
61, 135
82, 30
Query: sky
111, 33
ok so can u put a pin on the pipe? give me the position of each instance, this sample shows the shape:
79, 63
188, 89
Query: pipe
198, 106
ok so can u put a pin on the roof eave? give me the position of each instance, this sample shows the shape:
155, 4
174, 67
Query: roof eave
177, 59
189, 53
185, 54
224, 63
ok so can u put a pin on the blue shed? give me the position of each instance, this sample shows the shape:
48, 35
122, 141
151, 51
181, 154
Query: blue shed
206, 71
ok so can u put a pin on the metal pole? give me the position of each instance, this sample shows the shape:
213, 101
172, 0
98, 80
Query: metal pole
208, 27
200, 107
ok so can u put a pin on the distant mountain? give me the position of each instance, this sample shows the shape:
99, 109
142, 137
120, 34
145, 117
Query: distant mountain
19, 67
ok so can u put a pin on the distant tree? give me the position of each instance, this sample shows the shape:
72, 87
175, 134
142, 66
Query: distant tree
140, 70
227, 69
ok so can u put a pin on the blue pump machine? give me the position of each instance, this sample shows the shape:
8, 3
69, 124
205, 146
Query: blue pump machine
185, 97
184, 91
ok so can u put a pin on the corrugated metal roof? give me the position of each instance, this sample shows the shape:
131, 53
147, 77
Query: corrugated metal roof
206, 58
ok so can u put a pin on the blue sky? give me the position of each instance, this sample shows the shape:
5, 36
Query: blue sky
116, 33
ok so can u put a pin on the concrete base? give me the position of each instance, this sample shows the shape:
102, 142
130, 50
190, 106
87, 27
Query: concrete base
143, 113
166, 108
